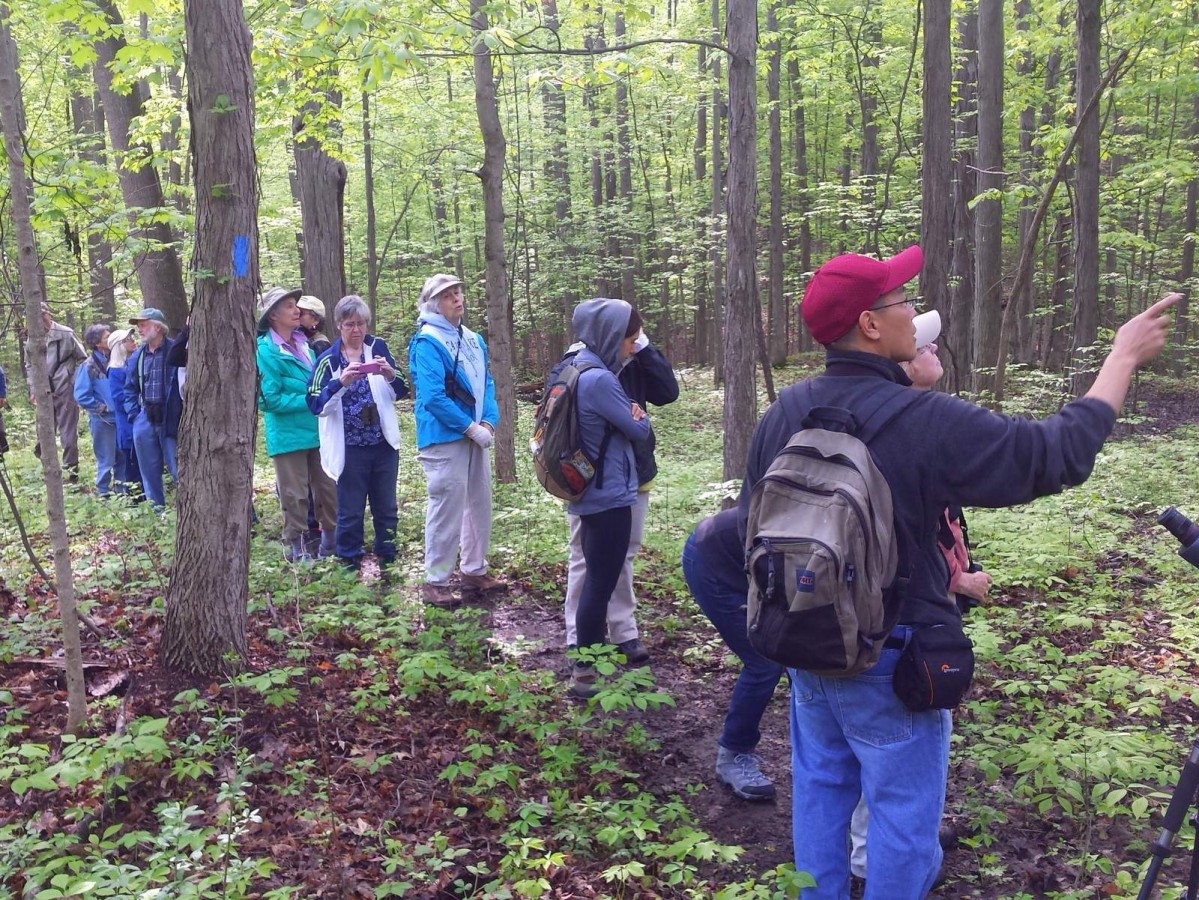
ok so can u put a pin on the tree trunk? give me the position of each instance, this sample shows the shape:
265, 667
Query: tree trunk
936, 136
12, 122
321, 180
777, 303
740, 394
368, 183
1186, 270
802, 200
958, 338
1086, 198
716, 331
700, 166
1023, 295
873, 34
491, 173
624, 161
205, 631
557, 173
87, 121
988, 213
159, 272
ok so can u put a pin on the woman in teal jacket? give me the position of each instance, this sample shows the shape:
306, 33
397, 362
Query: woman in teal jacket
285, 363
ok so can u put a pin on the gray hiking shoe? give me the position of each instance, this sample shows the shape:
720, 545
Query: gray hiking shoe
742, 772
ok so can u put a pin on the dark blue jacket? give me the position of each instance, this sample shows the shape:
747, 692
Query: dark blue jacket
940, 452
133, 390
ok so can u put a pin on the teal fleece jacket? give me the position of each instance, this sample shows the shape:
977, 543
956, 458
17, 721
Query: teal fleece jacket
282, 397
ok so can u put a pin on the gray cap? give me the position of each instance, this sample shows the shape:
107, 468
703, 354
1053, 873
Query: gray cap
115, 337
434, 285
267, 301
150, 314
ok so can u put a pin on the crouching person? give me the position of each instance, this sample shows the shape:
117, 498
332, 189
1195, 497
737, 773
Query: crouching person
714, 566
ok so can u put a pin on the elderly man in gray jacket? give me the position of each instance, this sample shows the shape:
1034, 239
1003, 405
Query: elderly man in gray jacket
64, 353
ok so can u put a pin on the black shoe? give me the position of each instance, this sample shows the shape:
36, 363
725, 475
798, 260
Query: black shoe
634, 652
857, 887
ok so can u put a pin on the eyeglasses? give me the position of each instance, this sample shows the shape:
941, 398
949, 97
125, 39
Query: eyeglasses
909, 302
353, 326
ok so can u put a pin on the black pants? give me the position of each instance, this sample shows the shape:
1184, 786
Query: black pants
605, 539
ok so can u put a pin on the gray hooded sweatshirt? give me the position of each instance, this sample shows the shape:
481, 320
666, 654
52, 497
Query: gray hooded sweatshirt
603, 405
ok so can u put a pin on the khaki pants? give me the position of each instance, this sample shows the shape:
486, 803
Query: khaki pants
295, 473
66, 419
458, 514
622, 626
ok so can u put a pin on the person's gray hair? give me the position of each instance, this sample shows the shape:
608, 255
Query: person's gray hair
94, 333
351, 305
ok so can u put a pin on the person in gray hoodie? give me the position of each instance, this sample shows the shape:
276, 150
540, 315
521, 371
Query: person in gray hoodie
608, 422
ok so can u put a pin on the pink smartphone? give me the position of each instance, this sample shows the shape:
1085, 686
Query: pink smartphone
374, 367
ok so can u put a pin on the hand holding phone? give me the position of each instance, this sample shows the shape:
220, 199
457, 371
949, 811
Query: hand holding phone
374, 367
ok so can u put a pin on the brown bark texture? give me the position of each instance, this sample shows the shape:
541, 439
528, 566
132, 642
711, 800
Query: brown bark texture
988, 213
159, 271
87, 122
205, 630
321, 183
740, 391
12, 122
491, 173
777, 303
937, 146
1086, 197
957, 334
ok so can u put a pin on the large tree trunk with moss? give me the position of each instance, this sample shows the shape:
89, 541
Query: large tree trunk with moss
491, 173
159, 272
205, 629
743, 318
12, 122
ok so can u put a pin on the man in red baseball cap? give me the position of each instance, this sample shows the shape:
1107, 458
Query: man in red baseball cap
853, 737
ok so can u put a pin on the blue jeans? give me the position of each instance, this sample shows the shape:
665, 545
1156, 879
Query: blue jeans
853, 737
127, 474
154, 450
370, 474
759, 676
104, 445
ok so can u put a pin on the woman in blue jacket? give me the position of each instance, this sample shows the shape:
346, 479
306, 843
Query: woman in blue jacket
608, 424
456, 418
352, 391
93, 393
120, 346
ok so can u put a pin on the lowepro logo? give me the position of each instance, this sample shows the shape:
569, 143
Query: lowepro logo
805, 581
947, 669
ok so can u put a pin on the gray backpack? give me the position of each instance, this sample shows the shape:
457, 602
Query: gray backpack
820, 542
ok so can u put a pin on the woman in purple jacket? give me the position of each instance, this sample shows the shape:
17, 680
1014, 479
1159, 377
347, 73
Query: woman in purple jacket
608, 422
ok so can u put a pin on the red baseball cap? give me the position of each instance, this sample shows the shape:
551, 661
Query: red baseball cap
848, 285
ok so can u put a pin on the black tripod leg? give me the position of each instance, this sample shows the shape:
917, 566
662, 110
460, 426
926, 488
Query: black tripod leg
1183, 798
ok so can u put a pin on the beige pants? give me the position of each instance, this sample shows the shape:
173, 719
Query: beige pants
295, 473
622, 626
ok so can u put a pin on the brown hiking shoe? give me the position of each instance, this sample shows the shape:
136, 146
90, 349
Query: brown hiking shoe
439, 595
482, 584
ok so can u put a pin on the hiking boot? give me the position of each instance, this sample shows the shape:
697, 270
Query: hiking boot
312, 542
583, 682
742, 772
327, 546
296, 552
439, 595
482, 584
634, 652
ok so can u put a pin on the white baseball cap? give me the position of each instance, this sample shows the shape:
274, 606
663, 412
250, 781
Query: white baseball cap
928, 327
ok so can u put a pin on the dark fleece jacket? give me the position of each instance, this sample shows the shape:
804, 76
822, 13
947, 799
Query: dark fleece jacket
941, 451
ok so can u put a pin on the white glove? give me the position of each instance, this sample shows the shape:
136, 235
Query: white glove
480, 435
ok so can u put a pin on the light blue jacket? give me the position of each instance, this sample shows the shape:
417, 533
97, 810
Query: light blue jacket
92, 391
440, 418
604, 407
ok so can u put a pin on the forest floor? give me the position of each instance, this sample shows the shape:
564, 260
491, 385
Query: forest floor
373, 748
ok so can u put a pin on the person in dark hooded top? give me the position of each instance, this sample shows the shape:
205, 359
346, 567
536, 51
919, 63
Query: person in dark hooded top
608, 422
